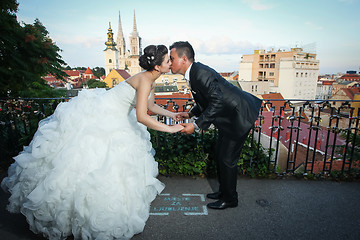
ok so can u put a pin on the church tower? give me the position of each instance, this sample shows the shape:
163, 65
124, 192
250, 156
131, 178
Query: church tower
111, 53
121, 47
135, 41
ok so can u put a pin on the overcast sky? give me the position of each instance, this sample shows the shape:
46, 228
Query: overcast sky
220, 31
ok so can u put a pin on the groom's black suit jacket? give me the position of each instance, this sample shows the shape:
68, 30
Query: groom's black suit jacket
218, 102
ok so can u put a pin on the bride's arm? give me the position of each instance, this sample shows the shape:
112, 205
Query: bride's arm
143, 91
156, 108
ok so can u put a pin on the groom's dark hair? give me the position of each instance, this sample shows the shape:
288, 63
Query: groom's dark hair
184, 48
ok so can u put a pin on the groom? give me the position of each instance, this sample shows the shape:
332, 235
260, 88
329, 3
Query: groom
220, 103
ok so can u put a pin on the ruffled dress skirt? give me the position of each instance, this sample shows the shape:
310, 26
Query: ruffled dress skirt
89, 170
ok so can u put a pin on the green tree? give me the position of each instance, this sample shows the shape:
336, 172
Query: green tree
26, 54
98, 71
93, 83
80, 68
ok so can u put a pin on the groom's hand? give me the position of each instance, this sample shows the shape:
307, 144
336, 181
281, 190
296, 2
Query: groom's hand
188, 128
181, 116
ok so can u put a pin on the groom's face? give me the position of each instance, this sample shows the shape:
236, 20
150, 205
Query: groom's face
177, 63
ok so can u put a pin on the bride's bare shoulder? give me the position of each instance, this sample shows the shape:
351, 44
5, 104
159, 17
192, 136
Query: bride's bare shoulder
137, 79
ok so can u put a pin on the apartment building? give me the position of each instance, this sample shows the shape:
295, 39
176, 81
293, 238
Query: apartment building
324, 89
292, 73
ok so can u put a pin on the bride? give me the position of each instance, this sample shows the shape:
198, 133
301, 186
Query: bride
89, 170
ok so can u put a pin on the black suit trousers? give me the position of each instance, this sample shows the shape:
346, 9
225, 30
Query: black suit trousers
228, 153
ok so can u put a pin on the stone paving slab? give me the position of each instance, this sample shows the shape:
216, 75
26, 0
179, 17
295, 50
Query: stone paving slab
268, 209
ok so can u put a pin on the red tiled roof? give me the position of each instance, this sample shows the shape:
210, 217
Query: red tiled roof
72, 73
163, 100
88, 71
123, 73
327, 82
225, 74
52, 80
272, 96
351, 77
275, 104
350, 92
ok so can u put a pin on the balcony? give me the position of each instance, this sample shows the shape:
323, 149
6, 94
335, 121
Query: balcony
308, 209
300, 136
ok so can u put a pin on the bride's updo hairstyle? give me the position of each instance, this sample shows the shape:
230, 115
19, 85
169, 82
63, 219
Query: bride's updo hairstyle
153, 55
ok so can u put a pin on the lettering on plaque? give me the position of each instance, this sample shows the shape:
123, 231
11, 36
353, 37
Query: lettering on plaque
187, 204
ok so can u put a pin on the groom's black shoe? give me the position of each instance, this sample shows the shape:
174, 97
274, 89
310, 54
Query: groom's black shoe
215, 195
221, 204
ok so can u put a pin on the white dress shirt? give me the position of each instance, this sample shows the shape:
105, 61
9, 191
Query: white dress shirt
187, 76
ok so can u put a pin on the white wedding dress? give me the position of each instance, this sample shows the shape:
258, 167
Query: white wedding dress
89, 170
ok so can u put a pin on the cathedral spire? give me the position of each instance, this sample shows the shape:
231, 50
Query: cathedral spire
120, 31
135, 33
120, 39
135, 40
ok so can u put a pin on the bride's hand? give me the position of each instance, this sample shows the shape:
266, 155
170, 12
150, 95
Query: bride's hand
176, 128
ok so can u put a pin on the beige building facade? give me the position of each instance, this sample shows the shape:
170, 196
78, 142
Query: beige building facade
169, 79
292, 73
255, 88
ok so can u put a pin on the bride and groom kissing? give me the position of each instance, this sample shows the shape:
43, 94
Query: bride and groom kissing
90, 171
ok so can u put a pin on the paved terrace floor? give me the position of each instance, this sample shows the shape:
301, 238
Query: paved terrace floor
268, 209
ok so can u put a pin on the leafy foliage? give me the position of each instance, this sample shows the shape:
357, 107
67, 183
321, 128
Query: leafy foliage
182, 154
93, 83
353, 148
98, 71
351, 152
26, 54
195, 154
18, 123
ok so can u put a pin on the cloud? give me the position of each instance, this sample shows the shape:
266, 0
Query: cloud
314, 26
223, 45
82, 40
257, 5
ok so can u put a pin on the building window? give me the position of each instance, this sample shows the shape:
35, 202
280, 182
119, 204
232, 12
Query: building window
272, 65
297, 74
271, 74
110, 61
